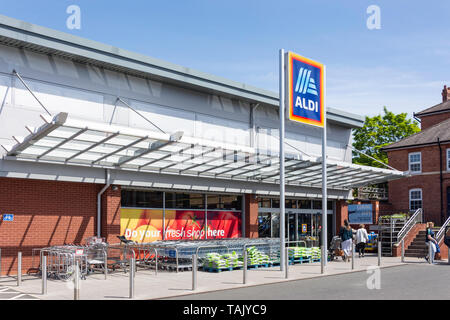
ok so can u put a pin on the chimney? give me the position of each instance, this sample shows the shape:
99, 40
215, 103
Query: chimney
445, 94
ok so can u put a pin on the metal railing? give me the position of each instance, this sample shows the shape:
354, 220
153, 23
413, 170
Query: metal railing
441, 231
417, 217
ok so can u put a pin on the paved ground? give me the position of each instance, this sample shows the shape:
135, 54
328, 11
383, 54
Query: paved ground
412, 281
11, 294
171, 284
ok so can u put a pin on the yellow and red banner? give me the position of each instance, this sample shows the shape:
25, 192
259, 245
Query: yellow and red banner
147, 225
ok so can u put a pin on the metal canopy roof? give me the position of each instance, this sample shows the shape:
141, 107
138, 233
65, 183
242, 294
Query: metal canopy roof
77, 142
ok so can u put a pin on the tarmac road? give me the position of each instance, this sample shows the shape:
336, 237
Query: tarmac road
417, 280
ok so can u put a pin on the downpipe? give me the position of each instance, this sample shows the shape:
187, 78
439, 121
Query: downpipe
99, 202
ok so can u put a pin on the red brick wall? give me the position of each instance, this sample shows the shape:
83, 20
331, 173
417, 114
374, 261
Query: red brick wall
251, 216
111, 214
341, 214
45, 213
428, 181
397, 251
431, 120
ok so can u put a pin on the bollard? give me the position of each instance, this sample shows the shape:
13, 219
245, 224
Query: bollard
245, 266
132, 271
44, 274
106, 265
323, 257
76, 287
403, 250
448, 255
353, 255
19, 269
286, 271
0, 262
194, 272
156, 262
430, 253
379, 253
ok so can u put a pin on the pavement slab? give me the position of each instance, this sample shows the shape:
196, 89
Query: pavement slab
171, 284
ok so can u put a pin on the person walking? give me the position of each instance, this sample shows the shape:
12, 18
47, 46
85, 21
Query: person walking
346, 234
434, 245
361, 238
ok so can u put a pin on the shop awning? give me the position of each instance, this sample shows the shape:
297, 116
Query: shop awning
69, 141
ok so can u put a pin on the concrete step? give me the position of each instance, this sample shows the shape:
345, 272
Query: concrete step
415, 251
414, 255
422, 247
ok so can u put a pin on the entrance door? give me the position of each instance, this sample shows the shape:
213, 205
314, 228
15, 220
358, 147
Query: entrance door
291, 226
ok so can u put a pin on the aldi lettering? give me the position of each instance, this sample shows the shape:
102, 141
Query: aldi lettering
306, 87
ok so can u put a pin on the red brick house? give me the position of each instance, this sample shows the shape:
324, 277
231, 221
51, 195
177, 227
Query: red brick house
426, 155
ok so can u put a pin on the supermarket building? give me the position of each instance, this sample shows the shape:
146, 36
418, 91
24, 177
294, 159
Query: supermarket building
97, 140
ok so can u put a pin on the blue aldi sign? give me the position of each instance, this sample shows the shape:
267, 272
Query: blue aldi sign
306, 90
8, 217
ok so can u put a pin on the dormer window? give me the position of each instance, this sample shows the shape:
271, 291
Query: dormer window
415, 162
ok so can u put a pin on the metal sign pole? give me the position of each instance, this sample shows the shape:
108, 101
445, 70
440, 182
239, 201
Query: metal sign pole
324, 176
282, 204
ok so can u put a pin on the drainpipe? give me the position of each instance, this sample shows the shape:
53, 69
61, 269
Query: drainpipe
417, 119
441, 179
99, 203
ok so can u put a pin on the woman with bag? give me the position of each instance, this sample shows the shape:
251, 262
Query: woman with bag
361, 238
434, 245
346, 234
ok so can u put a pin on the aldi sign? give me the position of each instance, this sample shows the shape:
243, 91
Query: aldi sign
8, 217
306, 90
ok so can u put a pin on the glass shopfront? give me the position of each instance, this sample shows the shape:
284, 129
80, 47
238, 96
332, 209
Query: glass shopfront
303, 219
148, 216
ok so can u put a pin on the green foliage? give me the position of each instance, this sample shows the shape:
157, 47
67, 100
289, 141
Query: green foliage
379, 131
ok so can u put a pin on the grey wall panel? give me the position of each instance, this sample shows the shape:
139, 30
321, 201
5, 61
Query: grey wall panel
89, 92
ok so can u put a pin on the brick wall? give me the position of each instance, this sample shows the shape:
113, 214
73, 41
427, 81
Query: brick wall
111, 214
341, 214
45, 213
428, 181
409, 238
251, 216
431, 120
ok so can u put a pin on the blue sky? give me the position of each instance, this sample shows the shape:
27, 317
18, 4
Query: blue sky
404, 65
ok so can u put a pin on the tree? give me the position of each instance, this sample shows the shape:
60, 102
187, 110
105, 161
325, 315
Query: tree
378, 132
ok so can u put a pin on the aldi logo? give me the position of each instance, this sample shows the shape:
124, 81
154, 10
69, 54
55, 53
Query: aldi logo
306, 86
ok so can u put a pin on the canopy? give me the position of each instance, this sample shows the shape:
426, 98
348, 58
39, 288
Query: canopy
77, 142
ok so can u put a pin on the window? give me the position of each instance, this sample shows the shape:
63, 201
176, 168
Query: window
448, 159
415, 162
175, 200
415, 199
304, 204
264, 225
291, 204
264, 203
228, 202
141, 199
317, 204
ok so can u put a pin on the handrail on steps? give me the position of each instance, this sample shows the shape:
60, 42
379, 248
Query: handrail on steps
417, 217
441, 231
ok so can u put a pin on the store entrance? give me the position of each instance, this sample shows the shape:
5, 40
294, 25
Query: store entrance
307, 227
